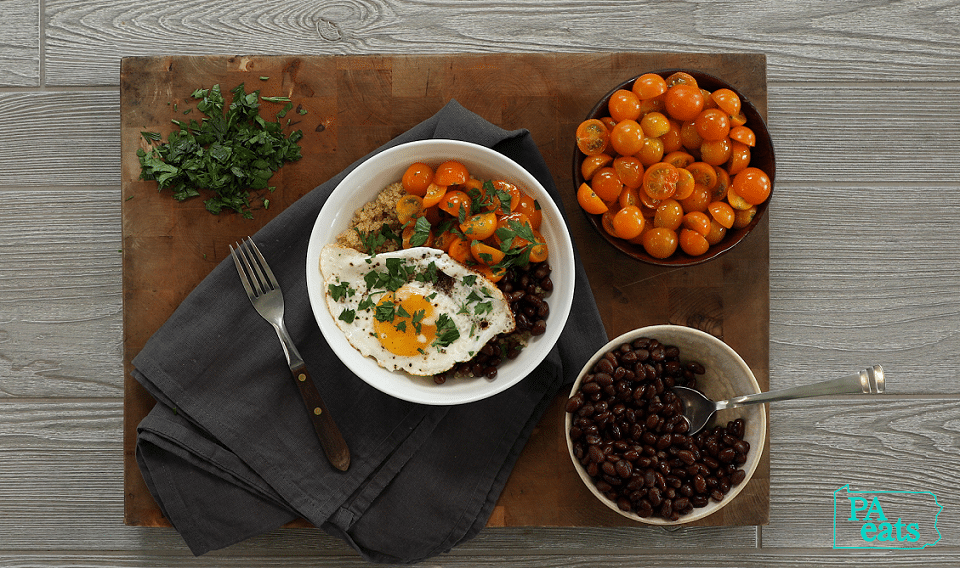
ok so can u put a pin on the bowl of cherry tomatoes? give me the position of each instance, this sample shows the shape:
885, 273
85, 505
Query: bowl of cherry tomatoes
674, 167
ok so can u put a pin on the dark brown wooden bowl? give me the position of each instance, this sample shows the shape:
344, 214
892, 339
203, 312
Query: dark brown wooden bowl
761, 156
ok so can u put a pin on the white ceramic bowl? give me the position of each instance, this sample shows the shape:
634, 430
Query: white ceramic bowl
362, 185
727, 375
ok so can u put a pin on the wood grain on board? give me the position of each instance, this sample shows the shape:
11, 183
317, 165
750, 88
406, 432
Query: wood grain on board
353, 105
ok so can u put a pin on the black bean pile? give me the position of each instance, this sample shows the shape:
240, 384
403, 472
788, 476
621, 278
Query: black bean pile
525, 289
629, 433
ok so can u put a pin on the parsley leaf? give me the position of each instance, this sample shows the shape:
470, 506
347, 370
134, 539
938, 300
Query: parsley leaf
447, 331
348, 316
421, 232
338, 291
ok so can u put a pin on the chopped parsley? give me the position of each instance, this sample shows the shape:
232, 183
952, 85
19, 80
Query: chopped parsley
231, 152
447, 331
348, 315
421, 232
372, 241
340, 291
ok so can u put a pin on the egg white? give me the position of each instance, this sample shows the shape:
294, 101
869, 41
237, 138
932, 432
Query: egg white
475, 305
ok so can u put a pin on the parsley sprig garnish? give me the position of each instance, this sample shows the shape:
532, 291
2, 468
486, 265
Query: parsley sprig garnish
231, 151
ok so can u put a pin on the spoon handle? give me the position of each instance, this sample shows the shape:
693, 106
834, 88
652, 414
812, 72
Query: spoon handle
867, 381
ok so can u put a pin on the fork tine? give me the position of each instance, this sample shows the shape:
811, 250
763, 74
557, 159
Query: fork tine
251, 270
244, 278
270, 278
254, 267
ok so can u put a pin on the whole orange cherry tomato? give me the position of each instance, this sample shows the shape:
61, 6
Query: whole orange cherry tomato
727, 101
529, 207
607, 184
451, 173
626, 138
417, 179
683, 102
628, 222
693, 242
649, 85
753, 185
660, 242
629, 170
713, 124
624, 105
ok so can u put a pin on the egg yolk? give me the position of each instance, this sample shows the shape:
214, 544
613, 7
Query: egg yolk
405, 324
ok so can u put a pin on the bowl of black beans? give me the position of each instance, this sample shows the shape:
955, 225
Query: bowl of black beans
628, 439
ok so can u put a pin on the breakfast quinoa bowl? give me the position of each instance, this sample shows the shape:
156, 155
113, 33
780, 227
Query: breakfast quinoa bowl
390, 223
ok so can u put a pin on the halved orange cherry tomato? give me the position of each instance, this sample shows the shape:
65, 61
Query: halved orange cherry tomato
698, 200
407, 234
652, 105
624, 105
739, 157
716, 234
485, 254
744, 135
409, 207
713, 124
660, 180
679, 158
589, 200
649, 85
735, 200
669, 215
716, 152
654, 124
480, 226
592, 137
681, 78
491, 273
697, 221
455, 203
671, 140
606, 184
693, 243
539, 252
719, 191
606, 221
753, 185
444, 240
707, 101
651, 152
660, 242
629, 197
434, 194
727, 100
685, 185
689, 136
459, 250
506, 223
417, 179
744, 217
506, 187
628, 222
626, 138
451, 172
629, 170
722, 213
704, 175
593, 163
683, 102
529, 207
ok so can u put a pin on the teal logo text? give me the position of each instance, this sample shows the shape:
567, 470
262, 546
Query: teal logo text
885, 519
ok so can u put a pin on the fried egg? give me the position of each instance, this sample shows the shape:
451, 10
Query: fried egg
415, 310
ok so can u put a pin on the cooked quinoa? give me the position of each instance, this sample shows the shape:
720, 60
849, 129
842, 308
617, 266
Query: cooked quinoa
372, 216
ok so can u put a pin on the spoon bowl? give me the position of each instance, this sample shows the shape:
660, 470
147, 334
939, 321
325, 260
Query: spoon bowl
698, 410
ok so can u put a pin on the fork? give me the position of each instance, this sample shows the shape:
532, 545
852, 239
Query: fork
265, 295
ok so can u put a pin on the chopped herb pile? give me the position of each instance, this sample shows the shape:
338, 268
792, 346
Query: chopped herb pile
230, 152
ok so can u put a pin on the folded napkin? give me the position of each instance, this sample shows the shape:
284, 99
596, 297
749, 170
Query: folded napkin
228, 452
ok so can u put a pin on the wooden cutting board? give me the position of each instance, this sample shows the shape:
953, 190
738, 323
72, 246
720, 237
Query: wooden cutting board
353, 105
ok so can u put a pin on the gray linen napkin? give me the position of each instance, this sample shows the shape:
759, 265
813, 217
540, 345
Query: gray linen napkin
229, 453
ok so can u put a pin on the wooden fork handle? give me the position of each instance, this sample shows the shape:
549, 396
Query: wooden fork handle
330, 438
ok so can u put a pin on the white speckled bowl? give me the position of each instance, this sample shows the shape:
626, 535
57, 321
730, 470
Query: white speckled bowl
362, 185
727, 375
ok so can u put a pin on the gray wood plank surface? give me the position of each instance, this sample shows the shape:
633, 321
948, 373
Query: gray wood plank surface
20, 44
864, 104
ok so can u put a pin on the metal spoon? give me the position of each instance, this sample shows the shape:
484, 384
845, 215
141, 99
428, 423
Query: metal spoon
698, 409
